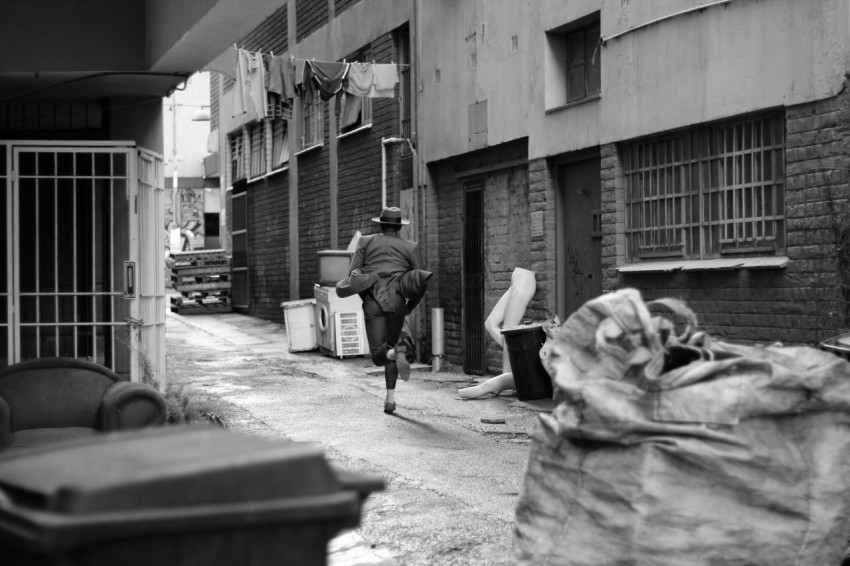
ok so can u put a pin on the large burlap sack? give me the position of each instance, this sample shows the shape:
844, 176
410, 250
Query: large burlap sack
677, 450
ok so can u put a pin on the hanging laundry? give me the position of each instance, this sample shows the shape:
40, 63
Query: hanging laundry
300, 69
250, 93
240, 105
281, 76
360, 78
384, 79
328, 77
351, 105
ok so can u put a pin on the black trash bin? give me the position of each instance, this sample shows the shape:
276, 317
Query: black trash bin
838, 345
180, 496
530, 377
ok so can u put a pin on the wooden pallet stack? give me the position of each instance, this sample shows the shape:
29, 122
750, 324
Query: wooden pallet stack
202, 278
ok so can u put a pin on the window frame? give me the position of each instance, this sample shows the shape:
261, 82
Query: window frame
274, 148
713, 191
312, 120
256, 133
364, 122
237, 162
588, 65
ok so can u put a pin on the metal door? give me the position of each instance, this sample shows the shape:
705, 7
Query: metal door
473, 282
581, 245
80, 285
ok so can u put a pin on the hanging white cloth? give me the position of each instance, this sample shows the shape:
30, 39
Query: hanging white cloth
250, 93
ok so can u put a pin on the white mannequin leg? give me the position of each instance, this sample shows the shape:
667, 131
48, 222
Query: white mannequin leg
508, 312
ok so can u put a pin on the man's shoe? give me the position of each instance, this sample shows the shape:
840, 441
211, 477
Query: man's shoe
401, 362
389, 408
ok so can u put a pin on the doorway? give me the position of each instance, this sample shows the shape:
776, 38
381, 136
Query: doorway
580, 242
473, 281
82, 223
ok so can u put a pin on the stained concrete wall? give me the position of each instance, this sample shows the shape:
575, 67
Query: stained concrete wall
470, 108
654, 78
725, 60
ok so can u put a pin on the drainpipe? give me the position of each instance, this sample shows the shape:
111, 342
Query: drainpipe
436, 339
384, 143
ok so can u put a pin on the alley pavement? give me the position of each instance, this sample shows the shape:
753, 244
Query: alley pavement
501, 420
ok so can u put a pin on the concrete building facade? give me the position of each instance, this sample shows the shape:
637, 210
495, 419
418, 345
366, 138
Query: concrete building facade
81, 171
694, 149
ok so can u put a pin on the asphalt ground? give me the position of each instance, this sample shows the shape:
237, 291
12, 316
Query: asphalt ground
452, 466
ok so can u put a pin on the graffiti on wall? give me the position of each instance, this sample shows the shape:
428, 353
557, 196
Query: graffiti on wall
184, 231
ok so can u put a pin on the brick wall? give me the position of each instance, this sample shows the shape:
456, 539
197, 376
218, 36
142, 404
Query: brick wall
310, 15
510, 194
342, 5
268, 245
507, 238
817, 234
270, 36
359, 161
800, 304
541, 199
449, 204
313, 213
215, 106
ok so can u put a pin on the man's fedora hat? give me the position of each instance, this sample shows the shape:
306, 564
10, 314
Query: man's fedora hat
391, 215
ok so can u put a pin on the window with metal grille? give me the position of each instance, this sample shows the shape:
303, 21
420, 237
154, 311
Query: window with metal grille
257, 137
582, 62
239, 234
280, 143
712, 191
312, 131
237, 156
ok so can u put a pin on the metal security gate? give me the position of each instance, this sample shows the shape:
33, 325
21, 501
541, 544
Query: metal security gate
81, 234
473, 282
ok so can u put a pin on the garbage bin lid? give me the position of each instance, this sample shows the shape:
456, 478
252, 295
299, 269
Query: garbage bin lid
297, 303
164, 468
521, 328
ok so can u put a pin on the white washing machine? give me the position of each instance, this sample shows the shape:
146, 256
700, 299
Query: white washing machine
328, 304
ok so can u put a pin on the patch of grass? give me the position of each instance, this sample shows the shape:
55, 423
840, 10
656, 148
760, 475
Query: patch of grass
183, 408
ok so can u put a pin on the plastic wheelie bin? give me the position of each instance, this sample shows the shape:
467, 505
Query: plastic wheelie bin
530, 377
178, 496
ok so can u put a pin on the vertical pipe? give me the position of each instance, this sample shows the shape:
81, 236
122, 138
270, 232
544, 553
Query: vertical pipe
383, 175
436, 339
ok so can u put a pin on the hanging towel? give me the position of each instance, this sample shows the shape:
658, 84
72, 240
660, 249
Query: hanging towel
256, 86
350, 109
281, 77
239, 102
360, 79
328, 77
385, 77
250, 94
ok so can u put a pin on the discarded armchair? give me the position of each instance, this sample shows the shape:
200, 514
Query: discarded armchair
54, 399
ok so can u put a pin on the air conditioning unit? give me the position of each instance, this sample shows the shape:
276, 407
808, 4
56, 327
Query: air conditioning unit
350, 333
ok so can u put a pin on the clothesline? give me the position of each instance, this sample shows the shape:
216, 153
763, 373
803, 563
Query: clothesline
314, 60
259, 75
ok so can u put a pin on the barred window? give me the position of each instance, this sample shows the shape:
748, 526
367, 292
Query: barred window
237, 156
712, 191
280, 143
256, 133
312, 131
356, 113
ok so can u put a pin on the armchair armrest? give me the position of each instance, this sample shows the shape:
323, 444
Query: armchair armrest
129, 405
5, 424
